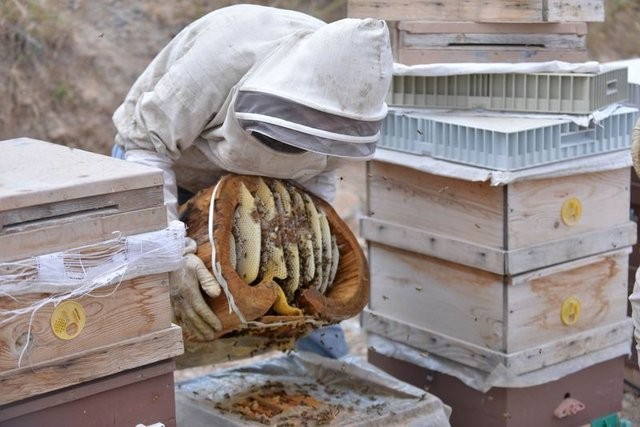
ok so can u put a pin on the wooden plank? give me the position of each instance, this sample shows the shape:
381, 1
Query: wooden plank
16, 246
438, 27
431, 341
52, 214
35, 172
91, 364
457, 301
455, 54
409, 40
394, 37
462, 210
479, 10
433, 244
427, 242
518, 363
569, 347
575, 10
570, 248
115, 313
534, 300
534, 206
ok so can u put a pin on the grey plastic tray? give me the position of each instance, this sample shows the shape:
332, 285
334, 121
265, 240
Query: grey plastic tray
634, 95
570, 93
504, 143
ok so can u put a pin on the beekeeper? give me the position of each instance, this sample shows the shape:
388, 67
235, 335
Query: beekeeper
634, 299
260, 91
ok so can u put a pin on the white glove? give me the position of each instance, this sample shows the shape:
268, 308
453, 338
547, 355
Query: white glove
190, 310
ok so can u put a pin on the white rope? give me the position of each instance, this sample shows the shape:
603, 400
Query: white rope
215, 264
80, 271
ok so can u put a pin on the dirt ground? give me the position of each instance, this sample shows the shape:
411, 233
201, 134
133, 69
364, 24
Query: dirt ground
67, 65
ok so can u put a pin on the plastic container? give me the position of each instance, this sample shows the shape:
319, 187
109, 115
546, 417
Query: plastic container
571, 93
634, 95
504, 143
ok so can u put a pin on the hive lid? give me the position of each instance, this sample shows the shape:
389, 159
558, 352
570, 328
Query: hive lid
34, 172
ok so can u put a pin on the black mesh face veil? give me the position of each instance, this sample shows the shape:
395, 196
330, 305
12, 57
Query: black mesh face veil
275, 144
270, 117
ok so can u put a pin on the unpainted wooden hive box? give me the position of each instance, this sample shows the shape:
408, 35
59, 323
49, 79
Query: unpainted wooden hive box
52, 199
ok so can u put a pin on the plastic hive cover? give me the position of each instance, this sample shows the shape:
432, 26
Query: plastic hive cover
305, 389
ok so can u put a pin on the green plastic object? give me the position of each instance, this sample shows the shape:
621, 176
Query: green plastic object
611, 420
625, 422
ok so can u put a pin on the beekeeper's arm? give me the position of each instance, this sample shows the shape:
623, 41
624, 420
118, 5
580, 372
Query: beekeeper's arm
166, 120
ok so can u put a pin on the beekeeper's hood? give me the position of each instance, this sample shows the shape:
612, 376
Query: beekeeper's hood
323, 91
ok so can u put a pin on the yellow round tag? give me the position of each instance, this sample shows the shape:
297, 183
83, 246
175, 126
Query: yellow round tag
68, 320
570, 311
571, 211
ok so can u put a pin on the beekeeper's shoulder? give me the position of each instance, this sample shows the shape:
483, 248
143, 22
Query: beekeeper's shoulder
258, 18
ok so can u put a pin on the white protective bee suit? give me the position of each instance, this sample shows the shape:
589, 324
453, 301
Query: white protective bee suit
235, 90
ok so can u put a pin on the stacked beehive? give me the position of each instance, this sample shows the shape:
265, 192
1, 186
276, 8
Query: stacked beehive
435, 31
499, 245
102, 351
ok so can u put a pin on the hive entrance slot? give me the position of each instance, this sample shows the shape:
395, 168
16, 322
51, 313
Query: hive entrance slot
16, 223
512, 45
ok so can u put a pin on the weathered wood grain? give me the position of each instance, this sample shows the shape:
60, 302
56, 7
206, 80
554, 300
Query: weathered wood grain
463, 210
570, 346
501, 313
91, 364
440, 27
457, 301
432, 341
522, 215
483, 54
115, 313
495, 260
50, 214
470, 39
534, 206
522, 362
479, 10
39, 241
570, 248
534, 300
433, 244
35, 172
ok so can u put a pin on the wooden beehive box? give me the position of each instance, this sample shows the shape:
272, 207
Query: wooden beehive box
485, 274
483, 320
506, 229
122, 326
426, 42
54, 199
